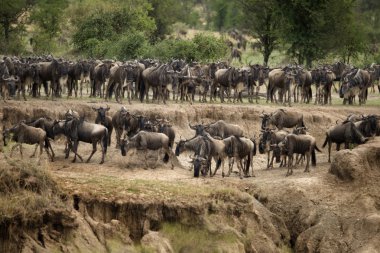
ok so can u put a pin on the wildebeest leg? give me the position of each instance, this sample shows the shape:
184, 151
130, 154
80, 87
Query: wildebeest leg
329, 150
290, 168
239, 164
34, 153
94, 143
307, 162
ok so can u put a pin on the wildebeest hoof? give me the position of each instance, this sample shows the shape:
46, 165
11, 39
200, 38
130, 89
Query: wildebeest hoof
101, 162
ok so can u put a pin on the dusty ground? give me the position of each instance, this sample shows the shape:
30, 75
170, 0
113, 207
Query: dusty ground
321, 212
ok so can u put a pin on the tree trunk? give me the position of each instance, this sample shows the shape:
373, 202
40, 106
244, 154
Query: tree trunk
266, 55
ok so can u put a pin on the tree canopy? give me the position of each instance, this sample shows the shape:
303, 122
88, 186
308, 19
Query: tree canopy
307, 31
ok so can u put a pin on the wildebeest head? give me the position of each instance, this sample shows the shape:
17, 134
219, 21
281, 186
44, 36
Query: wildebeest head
299, 130
200, 165
180, 147
101, 114
265, 140
264, 120
199, 129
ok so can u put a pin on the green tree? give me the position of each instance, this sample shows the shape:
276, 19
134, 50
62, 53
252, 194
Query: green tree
10, 15
47, 14
261, 18
314, 29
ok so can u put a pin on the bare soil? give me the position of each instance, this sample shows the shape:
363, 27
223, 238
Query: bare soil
306, 212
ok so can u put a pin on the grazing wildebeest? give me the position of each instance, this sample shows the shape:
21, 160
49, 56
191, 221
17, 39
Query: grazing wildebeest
23, 133
148, 141
269, 139
345, 133
200, 164
201, 147
282, 118
105, 120
241, 148
299, 144
79, 130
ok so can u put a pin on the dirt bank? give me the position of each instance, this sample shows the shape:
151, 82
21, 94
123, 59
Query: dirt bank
121, 205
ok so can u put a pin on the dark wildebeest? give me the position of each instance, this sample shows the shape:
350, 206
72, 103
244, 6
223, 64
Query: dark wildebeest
201, 147
29, 75
79, 130
303, 79
269, 139
5, 78
355, 83
160, 78
23, 133
299, 144
48, 71
327, 78
148, 141
256, 78
225, 79
105, 120
241, 148
99, 77
165, 128
200, 164
235, 53
367, 125
118, 122
282, 118
345, 133
75, 73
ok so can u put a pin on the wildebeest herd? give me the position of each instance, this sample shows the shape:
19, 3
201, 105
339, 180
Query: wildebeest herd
109, 79
283, 135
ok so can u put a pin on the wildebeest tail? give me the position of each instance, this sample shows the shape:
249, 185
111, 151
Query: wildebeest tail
166, 158
326, 140
313, 158
316, 147
142, 89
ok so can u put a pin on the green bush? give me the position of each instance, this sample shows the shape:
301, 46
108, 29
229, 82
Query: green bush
129, 46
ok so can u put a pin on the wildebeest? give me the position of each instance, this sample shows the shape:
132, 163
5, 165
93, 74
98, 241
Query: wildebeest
201, 147
327, 78
100, 75
118, 76
105, 120
303, 80
48, 71
367, 125
223, 129
299, 144
268, 142
225, 79
280, 79
45, 124
200, 164
355, 83
282, 118
79, 130
159, 78
241, 148
148, 141
23, 133
345, 133
118, 122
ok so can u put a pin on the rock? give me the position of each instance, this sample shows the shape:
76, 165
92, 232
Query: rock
153, 240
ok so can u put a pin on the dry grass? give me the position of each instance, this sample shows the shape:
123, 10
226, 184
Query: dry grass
27, 190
